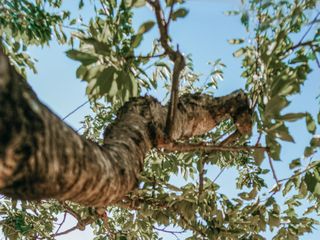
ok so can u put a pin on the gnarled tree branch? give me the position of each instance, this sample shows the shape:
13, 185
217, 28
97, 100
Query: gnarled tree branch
41, 157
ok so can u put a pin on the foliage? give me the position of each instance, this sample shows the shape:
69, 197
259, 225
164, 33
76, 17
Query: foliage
283, 48
24, 23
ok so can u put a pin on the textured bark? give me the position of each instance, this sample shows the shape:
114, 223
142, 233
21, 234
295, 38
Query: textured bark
41, 157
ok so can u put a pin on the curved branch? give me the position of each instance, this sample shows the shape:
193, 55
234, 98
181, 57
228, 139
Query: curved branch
41, 157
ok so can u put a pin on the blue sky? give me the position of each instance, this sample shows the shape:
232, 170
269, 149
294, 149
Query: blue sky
204, 34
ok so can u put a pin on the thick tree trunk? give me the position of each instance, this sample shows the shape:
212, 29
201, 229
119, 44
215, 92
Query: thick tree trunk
41, 157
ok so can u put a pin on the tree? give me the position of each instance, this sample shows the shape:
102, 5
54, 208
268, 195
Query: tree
120, 183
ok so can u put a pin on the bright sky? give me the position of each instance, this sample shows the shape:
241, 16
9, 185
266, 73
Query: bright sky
204, 34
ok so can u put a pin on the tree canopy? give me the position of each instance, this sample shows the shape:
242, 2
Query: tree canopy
118, 174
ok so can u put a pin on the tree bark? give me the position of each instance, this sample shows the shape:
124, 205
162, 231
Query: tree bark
41, 157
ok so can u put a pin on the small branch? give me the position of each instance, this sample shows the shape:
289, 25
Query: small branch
62, 222
147, 57
307, 43
201, 173
231, 139
102, 213
66, 231
174, 233
164, 36
273, 172
315, 54
219, 174
223, 135
170, 15
179, 64
82, 223
186, 147
302, 44
300, 173
76, 109
310, 27
258, 140
70, 27
71, 212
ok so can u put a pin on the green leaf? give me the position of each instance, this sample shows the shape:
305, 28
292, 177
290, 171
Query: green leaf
239, 52
308, 151
180, 13
245, 19
81, 4
291, 117
317, 189
232, 13
310, 210
99, 47
107, 82
84, 58
169, 2
315, 142
145, 27
279, 130
73, 21
81, 71
303, 190
236, 41
287, 187
249, 196
274, 220
275, 105
311, 125
283, 86
274, 146
311, 181
93, 72
135, 3
295, 163
258, 155
136, 40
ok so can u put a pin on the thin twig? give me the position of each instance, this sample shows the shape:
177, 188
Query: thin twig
232, 138
302, 44
201, 173
147, 57
170, 15
315, 54
174, 233
222, 135
273, 172
66, 231
258, 140
71, 212
219, 174
187, 147
70, 27
76, 109
300, 173
62, 222
80, 128
310, 27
